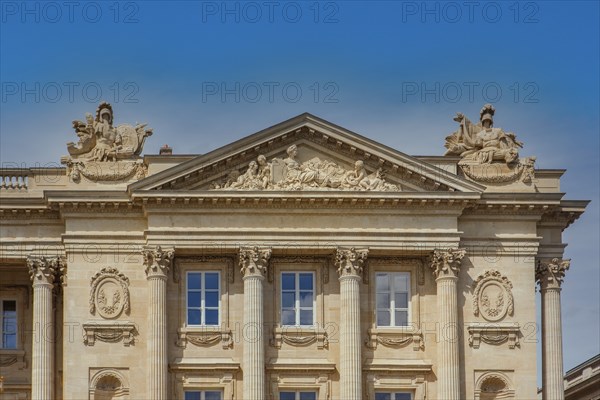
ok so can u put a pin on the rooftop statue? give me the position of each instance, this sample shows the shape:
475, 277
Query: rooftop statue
101, 143
488, 154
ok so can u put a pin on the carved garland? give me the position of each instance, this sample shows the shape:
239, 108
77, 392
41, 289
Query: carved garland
109, 293
493, 296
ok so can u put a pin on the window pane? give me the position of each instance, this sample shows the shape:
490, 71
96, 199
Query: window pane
401, 300
383, 300
403, 396
308, 396
288, 299
288, 317
306, 281
288, 281
306, 317
212, 280
383, 318
212, 395
286, 396
401, 283
401, 318
194, 299
381, 396
212, 317
194, 317
211, 299
382, 283
194, 280
192, 395
9, 340
306, 299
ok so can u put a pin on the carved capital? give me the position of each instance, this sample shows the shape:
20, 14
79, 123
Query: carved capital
551, 273
446, 263
44, 270
350, 262
157, 261
254, 261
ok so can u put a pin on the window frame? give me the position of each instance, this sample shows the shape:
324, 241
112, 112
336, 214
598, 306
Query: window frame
393, 393
202, 290
392, 302
297, 290
10, 297
203, 392
297, 393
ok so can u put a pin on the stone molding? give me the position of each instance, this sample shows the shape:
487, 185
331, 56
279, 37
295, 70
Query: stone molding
350, 262
109, 305
494, 334
254, 261
551, 273
492, 296
157, 261
228, 260
10, 357
446, 263
109, 332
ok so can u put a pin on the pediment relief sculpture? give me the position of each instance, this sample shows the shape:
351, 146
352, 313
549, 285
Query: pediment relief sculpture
492, 296
489, 154
109, 293
314, 174
105, 152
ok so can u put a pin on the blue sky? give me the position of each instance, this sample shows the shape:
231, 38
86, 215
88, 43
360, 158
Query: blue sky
203, 74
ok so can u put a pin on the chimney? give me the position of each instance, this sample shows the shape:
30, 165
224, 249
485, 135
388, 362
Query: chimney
166, 150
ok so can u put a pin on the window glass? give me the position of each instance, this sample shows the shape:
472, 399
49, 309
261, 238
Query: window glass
203, 296
392, 298
297, 298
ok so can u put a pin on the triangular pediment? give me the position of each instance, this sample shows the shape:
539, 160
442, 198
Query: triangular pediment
305, 153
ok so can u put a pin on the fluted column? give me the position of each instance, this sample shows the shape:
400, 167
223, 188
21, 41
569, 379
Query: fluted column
157, 263
254, 263
550, 275
349, 263
446, 266
43, 272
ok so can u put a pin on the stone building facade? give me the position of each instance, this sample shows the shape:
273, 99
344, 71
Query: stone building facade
302, 262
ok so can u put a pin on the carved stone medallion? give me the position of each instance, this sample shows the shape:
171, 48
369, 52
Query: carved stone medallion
492, 296
109, 294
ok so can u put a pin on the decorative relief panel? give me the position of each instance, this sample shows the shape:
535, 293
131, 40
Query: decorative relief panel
296, 336
492, 296
494, 334
204, 338
314, 174
394, 339
109, 294
109, 332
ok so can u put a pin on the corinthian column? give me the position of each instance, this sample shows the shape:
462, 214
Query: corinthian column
157, 263
254, 263
349, 263
43, 272
550, 275
446, 265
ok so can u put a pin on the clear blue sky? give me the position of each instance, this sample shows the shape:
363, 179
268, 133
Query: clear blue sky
203, 74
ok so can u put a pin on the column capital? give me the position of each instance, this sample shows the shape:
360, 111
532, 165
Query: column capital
157, 261
550, 273
45, 270
350, 262
446, 263
254, 261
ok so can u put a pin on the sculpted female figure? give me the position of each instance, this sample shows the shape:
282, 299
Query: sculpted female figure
297, 173
249, 179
